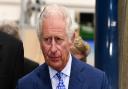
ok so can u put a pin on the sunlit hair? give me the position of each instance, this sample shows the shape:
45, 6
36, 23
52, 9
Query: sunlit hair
80, 47
60, 11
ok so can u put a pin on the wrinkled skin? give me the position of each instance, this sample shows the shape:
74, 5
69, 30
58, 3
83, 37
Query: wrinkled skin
55, 43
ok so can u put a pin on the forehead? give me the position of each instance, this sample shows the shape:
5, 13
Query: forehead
54, 24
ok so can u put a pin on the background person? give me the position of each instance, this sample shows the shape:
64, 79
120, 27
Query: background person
80, 49
13, 30
61, 70
11, 60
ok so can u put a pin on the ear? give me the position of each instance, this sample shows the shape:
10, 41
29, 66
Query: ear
72, 39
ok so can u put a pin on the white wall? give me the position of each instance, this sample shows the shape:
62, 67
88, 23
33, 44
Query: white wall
9, 10
81, 5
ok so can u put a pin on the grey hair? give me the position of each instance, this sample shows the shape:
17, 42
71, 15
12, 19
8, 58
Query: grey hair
60, 10
10, 29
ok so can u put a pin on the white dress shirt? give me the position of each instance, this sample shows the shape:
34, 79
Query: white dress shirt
65, 71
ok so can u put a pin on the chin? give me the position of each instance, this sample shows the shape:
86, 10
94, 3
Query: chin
57, 66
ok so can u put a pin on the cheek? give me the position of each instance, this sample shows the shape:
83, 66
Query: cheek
65, 49
44, 48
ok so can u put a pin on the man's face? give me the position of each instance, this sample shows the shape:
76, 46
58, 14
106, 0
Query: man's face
55, 43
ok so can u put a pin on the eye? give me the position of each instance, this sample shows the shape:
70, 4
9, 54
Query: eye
59, 40
47, 40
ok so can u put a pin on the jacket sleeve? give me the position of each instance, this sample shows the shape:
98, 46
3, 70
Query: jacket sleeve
105, 83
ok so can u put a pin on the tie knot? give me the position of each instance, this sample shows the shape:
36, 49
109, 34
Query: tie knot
59, 75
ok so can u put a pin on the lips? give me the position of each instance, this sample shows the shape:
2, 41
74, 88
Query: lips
53, 58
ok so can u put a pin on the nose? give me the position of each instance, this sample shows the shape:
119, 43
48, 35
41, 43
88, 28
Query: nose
53, 46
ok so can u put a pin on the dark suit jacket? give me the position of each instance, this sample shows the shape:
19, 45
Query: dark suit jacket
83, 76
11, 61
29, 65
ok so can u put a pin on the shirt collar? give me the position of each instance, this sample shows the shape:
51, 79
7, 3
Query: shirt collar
66, 69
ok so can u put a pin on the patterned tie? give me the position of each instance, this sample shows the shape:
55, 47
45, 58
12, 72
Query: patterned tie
61, 82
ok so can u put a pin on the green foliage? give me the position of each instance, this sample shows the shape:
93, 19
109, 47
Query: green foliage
86, 32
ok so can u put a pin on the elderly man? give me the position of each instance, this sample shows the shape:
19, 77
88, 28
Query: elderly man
60, 70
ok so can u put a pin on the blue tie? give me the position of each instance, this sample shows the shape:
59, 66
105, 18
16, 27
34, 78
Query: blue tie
61, 82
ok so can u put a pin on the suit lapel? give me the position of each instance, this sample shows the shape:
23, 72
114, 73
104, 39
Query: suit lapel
45, 78
76, 81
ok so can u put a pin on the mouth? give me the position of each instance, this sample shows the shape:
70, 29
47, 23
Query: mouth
54, 58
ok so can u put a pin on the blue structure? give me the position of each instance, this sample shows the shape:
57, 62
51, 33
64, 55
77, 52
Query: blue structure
106, 40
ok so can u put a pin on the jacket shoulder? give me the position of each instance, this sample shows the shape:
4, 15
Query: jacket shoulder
31, 79
93, 77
